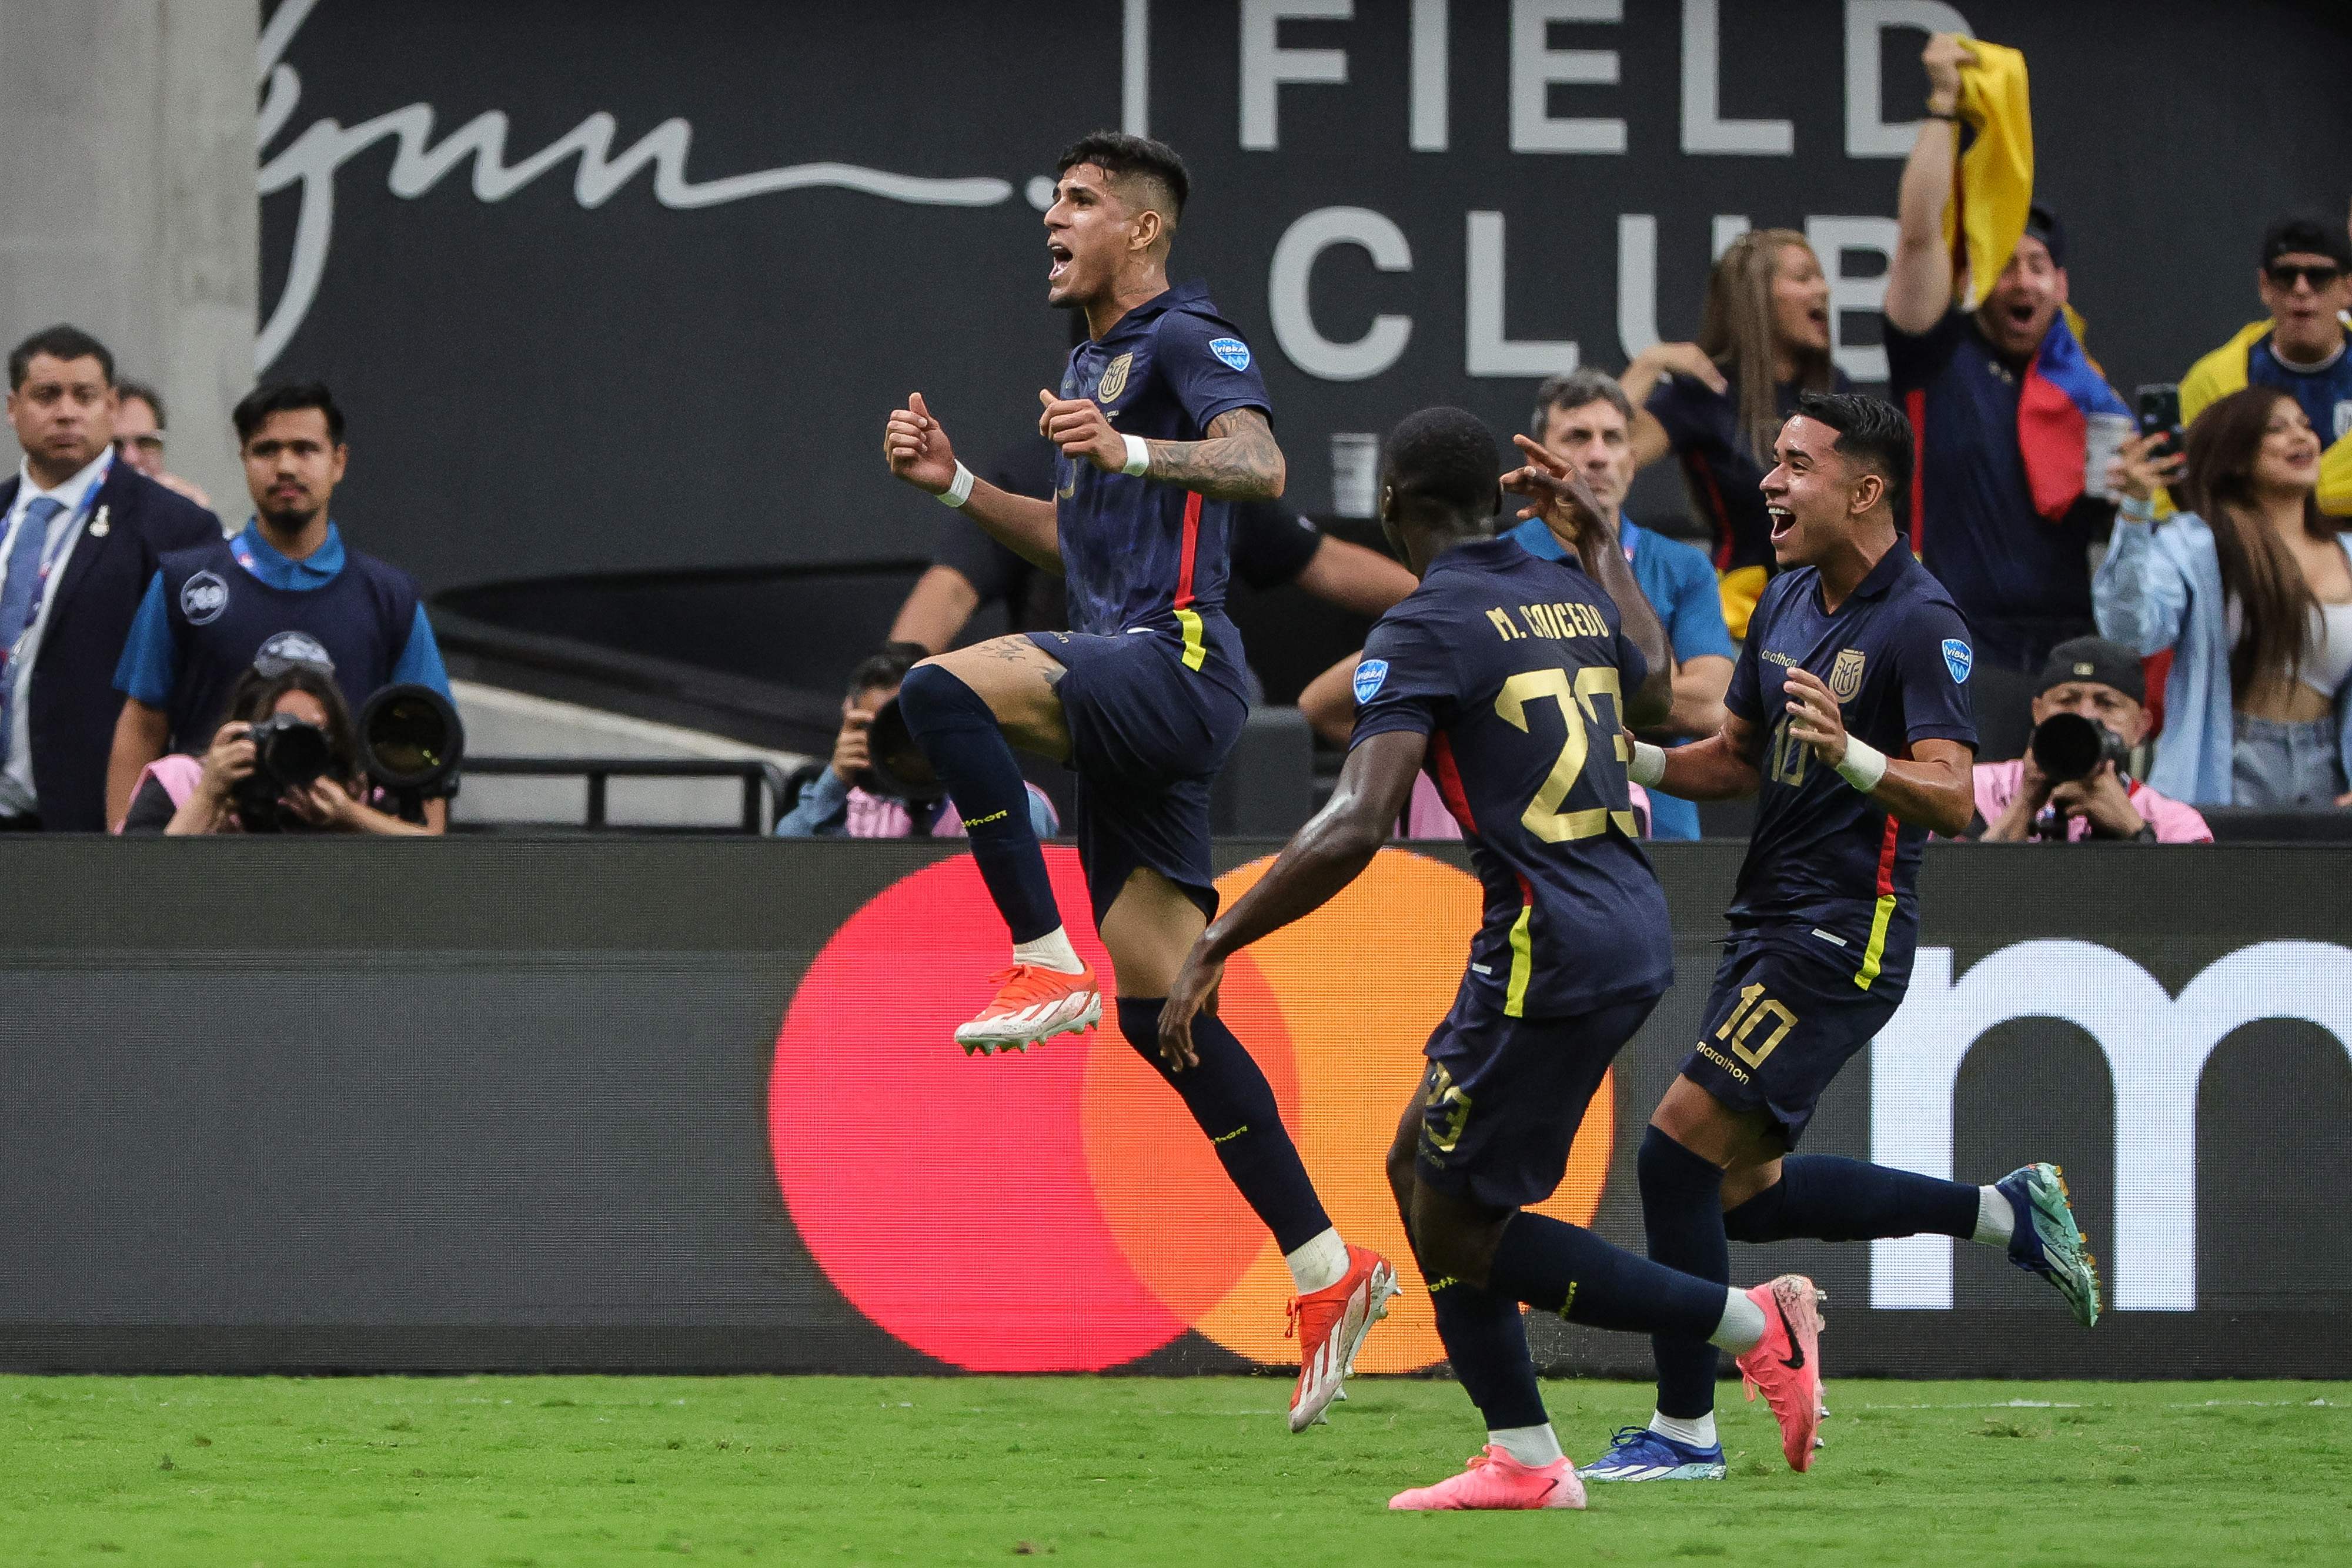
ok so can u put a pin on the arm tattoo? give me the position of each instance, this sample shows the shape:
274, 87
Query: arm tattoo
1238, 462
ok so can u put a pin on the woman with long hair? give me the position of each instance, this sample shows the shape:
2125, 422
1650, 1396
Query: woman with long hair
188, 796
2252, 590
1763, 337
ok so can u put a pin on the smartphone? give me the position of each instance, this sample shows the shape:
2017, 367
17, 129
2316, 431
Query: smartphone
2159, 411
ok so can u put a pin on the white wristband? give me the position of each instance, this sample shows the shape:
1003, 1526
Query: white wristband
1138, 456
1648, 765
959, 489
1864, 765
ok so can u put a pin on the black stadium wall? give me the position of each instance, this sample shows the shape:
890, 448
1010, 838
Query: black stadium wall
694, 1104
629, 288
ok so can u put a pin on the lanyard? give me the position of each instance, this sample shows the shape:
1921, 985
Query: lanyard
54, 549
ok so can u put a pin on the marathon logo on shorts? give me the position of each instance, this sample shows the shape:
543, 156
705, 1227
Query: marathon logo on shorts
1233, 351
202, 598
1957, 658
1369, 676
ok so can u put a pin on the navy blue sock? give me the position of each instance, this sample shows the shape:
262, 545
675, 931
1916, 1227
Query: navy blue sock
1827, 1197
1233, 1104
1681, 1211
1566, 1269
1486, 1340
959, 735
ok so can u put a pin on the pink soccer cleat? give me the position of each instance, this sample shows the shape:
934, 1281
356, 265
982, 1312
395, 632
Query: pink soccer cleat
1495, 1479
1331, 1325
1785, 1366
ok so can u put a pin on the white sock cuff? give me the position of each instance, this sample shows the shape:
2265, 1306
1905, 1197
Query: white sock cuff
1319, 1264
1697, 1431
1050, 951
1532, 1446
1741, 1328
1996, 1218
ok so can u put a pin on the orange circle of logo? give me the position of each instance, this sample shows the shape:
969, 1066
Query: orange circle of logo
1059, 1210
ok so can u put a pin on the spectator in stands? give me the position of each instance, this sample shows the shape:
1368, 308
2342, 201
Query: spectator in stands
288, 575
1717, 403
182, 795
1272, 545
2007, 530
2250, 590
845, 798
139, 438
2102, 682
2305, 284
82, 534
1586, 418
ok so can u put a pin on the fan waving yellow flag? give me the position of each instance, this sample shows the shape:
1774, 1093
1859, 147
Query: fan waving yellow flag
1985, 216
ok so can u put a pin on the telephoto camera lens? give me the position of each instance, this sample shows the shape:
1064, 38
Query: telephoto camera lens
2067, 746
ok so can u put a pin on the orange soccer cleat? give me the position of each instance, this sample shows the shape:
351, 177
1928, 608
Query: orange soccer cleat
1032, 1004
1331, 1325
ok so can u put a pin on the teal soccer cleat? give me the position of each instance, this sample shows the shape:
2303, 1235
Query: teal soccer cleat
2047, 1241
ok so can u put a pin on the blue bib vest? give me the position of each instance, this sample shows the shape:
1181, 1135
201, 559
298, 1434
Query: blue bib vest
221, 614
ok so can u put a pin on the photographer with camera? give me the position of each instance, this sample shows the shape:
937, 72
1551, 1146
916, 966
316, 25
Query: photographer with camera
284, 760
209, 608
2071, 783
850, 797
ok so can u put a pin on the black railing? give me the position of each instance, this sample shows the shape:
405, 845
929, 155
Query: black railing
764, 784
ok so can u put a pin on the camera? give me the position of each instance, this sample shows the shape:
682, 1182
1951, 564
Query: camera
2067, 746
288, 754
411, 742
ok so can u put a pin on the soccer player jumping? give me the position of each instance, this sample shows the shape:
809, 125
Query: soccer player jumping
1848, 715
1510, 678
1162, 420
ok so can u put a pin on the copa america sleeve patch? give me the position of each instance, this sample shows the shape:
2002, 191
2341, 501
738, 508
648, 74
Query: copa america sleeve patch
1233, 351
1958, 659
1370, 675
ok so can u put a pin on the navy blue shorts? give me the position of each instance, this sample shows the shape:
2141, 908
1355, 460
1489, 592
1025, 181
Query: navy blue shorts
1504, 1096
1780, 1021
1147, 737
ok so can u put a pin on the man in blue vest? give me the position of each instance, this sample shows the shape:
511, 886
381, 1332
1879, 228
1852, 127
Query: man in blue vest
209, 610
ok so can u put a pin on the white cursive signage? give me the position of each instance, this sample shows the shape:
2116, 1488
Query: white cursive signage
312, 158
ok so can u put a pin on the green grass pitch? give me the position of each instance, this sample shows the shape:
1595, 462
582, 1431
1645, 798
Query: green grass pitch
557, 1471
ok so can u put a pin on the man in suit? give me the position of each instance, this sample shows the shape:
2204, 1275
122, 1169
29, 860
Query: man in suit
83, 533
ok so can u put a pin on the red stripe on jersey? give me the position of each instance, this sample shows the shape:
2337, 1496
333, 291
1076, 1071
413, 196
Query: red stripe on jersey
1886, 861
1449, 781
1696, 467
1191, 548
1915, 405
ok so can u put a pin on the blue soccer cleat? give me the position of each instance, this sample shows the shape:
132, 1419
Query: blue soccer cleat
2047, 1241
1638, 1454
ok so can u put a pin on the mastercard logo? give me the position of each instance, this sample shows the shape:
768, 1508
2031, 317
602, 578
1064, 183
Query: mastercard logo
1058, 1210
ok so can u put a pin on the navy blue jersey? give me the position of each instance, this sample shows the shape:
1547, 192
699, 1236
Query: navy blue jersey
1825, 857
1138, 553
1515, 668
2324, 393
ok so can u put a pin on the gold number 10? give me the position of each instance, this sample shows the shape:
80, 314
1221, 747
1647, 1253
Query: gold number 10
1543, 816
1754, 1008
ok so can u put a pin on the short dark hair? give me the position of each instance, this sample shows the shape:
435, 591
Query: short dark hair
126, 389
60, 342
2042, 224
1447, 456
285, 397
1873, 432
886, 667
1572, 391
1123, 157
2304, 234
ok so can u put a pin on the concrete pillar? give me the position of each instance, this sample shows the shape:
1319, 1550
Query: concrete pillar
127, 202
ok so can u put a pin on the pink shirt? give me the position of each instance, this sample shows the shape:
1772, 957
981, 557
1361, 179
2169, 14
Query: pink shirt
1997, 784
1425, 816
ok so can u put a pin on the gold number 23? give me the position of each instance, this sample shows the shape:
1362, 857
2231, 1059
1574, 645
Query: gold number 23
1543, 816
